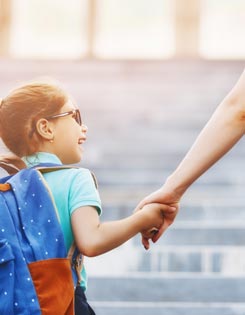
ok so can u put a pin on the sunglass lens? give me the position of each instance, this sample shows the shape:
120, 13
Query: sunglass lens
78, 117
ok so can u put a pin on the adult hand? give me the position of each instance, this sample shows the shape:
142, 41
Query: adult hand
163, 195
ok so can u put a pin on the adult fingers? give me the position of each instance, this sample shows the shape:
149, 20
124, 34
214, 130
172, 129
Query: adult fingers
160, 232
145, 242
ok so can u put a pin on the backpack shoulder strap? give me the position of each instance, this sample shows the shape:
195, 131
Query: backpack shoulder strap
9, 168
50, 167
95, 180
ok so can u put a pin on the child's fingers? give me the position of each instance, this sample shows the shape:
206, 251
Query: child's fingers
153, 231
160, 232
145, 242
148, 234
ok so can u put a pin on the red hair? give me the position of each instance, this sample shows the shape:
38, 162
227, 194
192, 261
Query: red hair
21, 109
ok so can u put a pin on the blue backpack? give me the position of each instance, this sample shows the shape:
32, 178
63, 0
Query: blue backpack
36, 276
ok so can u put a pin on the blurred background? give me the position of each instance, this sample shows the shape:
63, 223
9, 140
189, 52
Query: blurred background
147, 75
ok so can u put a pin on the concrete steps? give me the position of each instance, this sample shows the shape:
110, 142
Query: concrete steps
141, 308
145, 287
162, 294
142, 118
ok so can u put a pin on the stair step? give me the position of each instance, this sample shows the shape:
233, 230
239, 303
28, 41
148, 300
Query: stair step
170, 260
202, 213
217, 260
161, 308
215, 236
115, 195
156, 288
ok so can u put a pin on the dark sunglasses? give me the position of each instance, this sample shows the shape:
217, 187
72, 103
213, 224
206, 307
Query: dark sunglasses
75, 112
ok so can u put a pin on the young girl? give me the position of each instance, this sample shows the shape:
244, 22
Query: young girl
40, 123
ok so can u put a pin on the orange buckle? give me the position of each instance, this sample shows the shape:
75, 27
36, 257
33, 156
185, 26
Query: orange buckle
5, 187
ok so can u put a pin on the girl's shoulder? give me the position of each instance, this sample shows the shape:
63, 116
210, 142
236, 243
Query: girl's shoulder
85, 174
75, 174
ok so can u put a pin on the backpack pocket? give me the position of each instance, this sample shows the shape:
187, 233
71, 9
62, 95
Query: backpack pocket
7, 266
54, 286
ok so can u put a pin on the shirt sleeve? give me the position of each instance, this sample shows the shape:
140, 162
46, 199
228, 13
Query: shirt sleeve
83, 192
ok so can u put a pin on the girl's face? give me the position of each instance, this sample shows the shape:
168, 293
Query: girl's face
68, 135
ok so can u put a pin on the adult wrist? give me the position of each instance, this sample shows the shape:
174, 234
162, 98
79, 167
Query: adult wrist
176, 188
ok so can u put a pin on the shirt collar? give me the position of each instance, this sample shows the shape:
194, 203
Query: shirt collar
40, 157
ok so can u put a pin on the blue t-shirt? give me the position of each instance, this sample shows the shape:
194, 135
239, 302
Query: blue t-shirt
71, 188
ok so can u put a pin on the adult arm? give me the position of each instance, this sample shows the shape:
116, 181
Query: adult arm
223, 130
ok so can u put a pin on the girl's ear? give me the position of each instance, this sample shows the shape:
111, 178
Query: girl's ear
45, 129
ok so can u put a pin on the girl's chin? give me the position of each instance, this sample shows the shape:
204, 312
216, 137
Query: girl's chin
75, 159
79, 156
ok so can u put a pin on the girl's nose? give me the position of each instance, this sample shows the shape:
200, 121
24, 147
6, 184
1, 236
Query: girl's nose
84, 128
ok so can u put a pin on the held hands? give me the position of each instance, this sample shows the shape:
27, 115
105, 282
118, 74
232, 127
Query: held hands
157, 219
169, 201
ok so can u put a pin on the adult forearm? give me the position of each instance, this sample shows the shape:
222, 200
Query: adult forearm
223, 130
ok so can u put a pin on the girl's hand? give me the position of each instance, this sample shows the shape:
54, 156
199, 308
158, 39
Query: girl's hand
164, 195
159, 217
155, 233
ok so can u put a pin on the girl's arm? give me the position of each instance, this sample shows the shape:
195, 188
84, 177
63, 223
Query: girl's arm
94, 238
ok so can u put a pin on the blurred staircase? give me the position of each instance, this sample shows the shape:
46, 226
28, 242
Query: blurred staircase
142, 119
